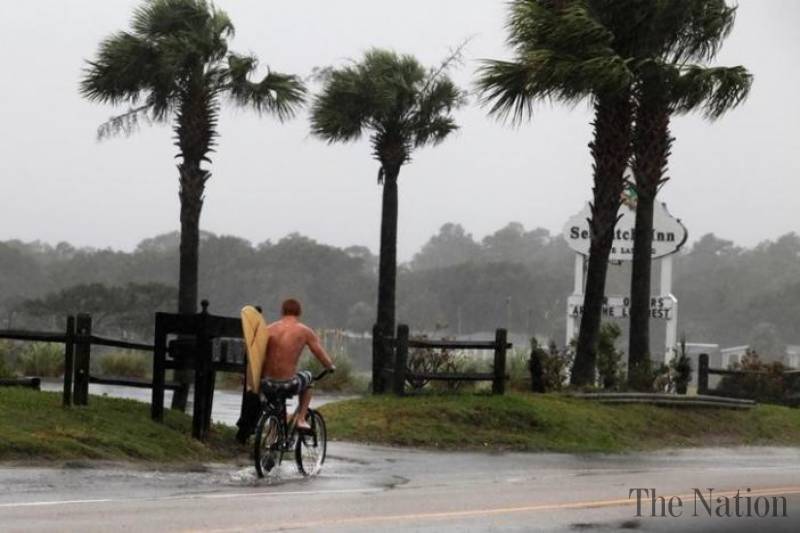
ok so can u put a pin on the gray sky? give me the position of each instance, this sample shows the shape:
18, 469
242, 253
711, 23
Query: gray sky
738, 177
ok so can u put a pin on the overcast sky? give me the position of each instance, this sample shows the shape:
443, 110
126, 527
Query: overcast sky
738, 178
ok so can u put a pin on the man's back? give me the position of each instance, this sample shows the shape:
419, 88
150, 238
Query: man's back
287, 338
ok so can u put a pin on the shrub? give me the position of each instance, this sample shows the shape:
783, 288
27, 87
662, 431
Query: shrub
680, 367
6, 349
42, 359
768, 385
609, 359
518, 369
125, 364
555, 365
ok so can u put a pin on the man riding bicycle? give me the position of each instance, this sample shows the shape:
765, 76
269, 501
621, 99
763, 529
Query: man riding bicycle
287, 339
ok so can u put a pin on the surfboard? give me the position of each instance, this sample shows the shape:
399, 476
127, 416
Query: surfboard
256, 337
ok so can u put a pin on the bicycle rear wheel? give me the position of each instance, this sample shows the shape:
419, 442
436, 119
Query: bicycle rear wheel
311, 447
268, 444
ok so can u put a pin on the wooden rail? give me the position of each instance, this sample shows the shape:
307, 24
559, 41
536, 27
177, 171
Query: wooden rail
703, 372
390, 360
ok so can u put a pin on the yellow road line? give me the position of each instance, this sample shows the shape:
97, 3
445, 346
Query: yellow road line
591, 504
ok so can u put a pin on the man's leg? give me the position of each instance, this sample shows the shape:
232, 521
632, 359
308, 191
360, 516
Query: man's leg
302, 409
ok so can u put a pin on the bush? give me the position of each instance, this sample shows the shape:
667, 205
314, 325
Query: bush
125, 364
6, 349
680, 367
555, 365
518, 369
42, 359
609, 359
769, 385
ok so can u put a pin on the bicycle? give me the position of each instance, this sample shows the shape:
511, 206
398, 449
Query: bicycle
275, 436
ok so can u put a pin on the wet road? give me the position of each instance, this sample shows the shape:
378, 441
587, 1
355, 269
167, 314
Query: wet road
375, 488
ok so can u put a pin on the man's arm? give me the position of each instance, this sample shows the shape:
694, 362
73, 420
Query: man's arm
318, 351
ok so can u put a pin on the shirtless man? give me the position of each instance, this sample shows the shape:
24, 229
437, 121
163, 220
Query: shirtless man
287, 338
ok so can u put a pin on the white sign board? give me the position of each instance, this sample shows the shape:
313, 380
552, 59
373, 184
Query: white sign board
668, 233
661, 307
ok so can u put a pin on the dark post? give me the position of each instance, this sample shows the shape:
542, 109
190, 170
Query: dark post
500, 341
702, 374
401, 358
159, 362
69, 361
202, 354
537, 371
378, 361
83, 349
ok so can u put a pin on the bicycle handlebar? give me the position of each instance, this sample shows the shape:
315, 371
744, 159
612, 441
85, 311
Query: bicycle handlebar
324, 373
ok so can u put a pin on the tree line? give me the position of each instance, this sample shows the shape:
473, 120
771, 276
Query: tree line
455, 283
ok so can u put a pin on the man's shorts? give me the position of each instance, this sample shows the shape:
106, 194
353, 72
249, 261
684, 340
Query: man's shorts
288, 387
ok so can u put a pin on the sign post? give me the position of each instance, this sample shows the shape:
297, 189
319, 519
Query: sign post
669, 234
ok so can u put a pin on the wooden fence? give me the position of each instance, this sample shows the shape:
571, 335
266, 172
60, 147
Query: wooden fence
390, 360
181, 342
703, 373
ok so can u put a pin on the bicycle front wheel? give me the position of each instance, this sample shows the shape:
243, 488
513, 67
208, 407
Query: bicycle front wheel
311, 447
268, 444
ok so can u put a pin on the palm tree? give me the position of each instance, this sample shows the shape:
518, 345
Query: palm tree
174, 65
668, 84
403, 106
564, 52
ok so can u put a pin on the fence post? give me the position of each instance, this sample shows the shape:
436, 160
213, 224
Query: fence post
537, 371
500, 341
83, 350
702, 374
378, 361
401, 358
202, 356
159, 362
69, 361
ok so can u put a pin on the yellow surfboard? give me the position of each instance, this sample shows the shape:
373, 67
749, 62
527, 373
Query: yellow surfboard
256, 337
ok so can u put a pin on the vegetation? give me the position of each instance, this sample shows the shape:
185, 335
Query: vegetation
34, 426
465, 295
609, 358
42, 359
668, 83
175, 65
552, 423
766, 382
404, 107
125, 364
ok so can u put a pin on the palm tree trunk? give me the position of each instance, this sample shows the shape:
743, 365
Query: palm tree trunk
651, 149
195, 132
191, 196
639, 339
610, 151
387, 269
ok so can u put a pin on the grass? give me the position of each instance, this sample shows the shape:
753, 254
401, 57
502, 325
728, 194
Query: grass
34, 426
552, 423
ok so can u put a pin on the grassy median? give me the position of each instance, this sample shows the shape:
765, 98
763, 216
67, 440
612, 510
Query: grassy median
553, 423
34, 426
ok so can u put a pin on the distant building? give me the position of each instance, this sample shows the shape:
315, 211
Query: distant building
792, 357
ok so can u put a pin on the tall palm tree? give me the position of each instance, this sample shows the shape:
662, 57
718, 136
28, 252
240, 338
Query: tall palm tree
564, 52
174, 65
667, 84
402, 106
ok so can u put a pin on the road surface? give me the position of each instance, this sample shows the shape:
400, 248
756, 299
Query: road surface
366, 488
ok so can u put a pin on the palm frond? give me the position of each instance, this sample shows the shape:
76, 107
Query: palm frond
125, 66
279, 94
714, 90
124, 124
